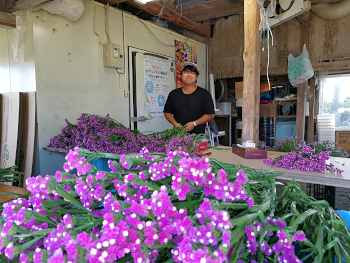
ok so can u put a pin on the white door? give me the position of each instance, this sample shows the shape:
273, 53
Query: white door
141, 118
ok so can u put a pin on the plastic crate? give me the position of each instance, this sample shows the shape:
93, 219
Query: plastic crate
101, 164
285, 129
323, 192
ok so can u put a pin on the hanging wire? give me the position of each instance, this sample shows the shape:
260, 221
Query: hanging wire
181, 9
107, 33
264, 21
160, 13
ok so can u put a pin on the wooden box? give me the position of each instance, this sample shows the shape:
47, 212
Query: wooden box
249, 154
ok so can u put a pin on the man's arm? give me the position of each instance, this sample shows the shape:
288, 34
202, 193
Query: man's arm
170, 118
205, 118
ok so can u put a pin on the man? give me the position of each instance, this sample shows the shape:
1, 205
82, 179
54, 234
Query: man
189, 106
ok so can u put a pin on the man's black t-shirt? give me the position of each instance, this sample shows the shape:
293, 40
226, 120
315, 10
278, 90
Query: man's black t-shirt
189, 107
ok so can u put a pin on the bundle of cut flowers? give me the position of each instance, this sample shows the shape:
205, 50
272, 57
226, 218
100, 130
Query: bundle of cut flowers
171, 209
292, 144
304, 158
103, 134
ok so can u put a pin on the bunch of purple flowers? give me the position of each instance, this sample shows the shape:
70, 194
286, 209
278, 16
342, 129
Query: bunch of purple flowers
177, 208
104, 134
305, 159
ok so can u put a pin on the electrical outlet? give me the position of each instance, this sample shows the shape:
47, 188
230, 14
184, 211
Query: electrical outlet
126, 93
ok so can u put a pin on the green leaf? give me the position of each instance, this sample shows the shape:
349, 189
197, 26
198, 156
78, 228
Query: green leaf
308, 256
236, 250
160, 246
187, 204
344, 253
301, 218
8, 193
339, 222
319, 242
274, 175
233, 205
150, 186
319, 202
36, 233
62, 192
30, 243
243, 219
42, 218
263, 207
331, 244
309, 244
23, 230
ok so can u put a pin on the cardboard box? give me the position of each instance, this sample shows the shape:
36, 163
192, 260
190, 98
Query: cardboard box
9, 131
239, 90
27, 138
249, 154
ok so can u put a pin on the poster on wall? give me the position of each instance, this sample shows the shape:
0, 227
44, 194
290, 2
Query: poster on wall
183, 53
156, 81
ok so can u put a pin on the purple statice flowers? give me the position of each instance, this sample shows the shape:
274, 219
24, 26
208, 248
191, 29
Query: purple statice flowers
305, 159
283, 248
136, 214
103, 134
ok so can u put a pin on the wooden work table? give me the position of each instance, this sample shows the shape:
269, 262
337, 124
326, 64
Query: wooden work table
328, 178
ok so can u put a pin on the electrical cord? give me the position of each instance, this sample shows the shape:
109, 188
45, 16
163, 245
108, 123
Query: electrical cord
181, 9
122, 73
154, 34
107, 34
264, 20
160, 13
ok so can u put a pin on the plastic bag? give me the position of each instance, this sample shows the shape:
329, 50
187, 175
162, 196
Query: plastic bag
20, 34
300, 68
71, 9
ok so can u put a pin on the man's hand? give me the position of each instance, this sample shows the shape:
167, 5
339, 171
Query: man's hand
189, 126
177, 125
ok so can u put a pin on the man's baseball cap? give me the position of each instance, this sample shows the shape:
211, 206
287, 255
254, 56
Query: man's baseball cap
186, 64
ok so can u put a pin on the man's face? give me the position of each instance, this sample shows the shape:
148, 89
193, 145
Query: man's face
188, 77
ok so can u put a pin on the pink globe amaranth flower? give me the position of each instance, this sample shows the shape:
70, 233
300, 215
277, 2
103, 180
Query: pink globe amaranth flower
299, 236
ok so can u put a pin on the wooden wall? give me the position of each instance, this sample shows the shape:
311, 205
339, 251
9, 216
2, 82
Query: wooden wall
343, 139
328, 40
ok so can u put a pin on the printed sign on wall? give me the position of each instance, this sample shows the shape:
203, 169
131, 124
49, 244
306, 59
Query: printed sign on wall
156, 81
183, 53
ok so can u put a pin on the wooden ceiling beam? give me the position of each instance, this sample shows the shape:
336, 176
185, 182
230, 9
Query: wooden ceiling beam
7, 20
334, 65
211, 9
154, 8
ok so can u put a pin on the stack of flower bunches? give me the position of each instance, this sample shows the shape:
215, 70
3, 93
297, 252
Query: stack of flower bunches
104, 134
152, 211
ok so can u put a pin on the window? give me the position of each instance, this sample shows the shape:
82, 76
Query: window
336, 99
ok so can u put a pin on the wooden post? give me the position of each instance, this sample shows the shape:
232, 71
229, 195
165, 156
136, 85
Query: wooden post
310, 121
300, 118
251, 78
